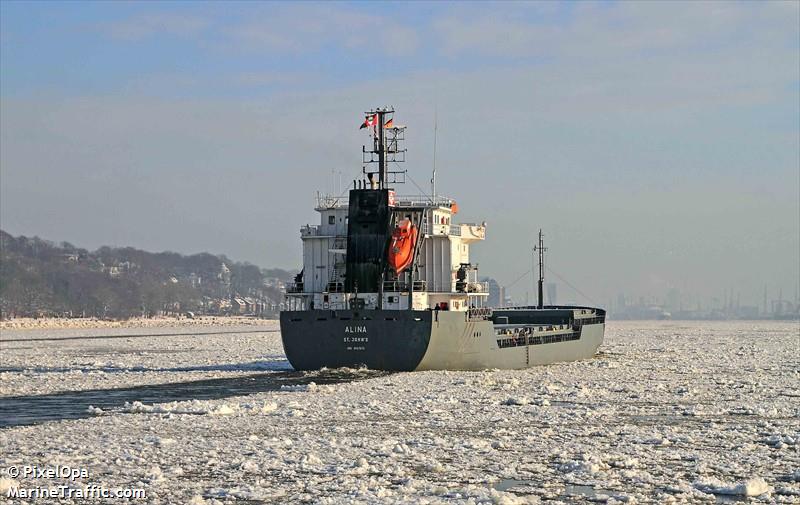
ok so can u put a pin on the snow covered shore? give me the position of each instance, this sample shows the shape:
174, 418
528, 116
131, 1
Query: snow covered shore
669, 412
56, 323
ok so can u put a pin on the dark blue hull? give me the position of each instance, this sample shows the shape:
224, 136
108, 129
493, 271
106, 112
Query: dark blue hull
378, 339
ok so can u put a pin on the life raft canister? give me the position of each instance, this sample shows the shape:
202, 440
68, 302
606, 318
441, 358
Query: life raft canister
401, 250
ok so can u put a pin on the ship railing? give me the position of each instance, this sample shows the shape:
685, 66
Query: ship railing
394, 286
441, 229
294, 287
479, 314
335, 287
309, 230
400, 287
471, 287
330, 202
333, 202
457, 230
478, 287
423, 201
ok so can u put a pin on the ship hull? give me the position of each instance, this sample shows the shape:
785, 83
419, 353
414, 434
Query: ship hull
380, 340
436, 340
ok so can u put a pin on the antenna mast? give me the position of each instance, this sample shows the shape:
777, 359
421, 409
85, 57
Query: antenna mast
541, 249
381, 148
386, 138
435, 129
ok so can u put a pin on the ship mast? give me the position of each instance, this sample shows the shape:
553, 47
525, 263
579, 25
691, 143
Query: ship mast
386, 138
541, 249
381, 148
433, 177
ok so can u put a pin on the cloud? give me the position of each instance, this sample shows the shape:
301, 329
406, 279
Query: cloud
492, 35
155, 23
635, 58
278, 28
400, 40
261, 79
306, 28
621, 30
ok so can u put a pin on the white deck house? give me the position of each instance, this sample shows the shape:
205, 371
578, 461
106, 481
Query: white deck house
443, 250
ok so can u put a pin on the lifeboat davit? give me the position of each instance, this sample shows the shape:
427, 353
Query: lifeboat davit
401, 250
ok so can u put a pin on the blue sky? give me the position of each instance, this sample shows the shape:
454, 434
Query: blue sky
49, 45
657, 142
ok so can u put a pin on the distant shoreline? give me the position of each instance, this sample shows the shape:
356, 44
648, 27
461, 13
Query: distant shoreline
46, 323
63, 323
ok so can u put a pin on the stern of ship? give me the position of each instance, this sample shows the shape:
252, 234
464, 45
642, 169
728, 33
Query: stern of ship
376, 339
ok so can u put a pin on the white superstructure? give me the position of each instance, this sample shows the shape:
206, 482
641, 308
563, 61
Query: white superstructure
441, 259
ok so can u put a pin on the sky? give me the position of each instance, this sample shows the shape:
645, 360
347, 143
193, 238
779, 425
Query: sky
656, 143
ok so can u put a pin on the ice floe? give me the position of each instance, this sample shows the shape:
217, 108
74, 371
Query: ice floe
668, 413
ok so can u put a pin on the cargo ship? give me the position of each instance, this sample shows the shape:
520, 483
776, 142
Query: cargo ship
387, 283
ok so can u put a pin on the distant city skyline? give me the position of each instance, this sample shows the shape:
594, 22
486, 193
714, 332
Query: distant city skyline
656, 143
673, 302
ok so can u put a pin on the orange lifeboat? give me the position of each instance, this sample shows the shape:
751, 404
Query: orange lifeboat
401, 250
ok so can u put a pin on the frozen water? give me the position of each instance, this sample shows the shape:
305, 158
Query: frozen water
49, 361
668, 412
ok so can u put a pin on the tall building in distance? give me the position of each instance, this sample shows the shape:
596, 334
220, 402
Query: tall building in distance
495, 298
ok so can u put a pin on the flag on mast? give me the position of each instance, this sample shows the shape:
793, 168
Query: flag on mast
369, 121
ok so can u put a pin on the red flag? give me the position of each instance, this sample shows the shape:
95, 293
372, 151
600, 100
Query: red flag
370, 121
